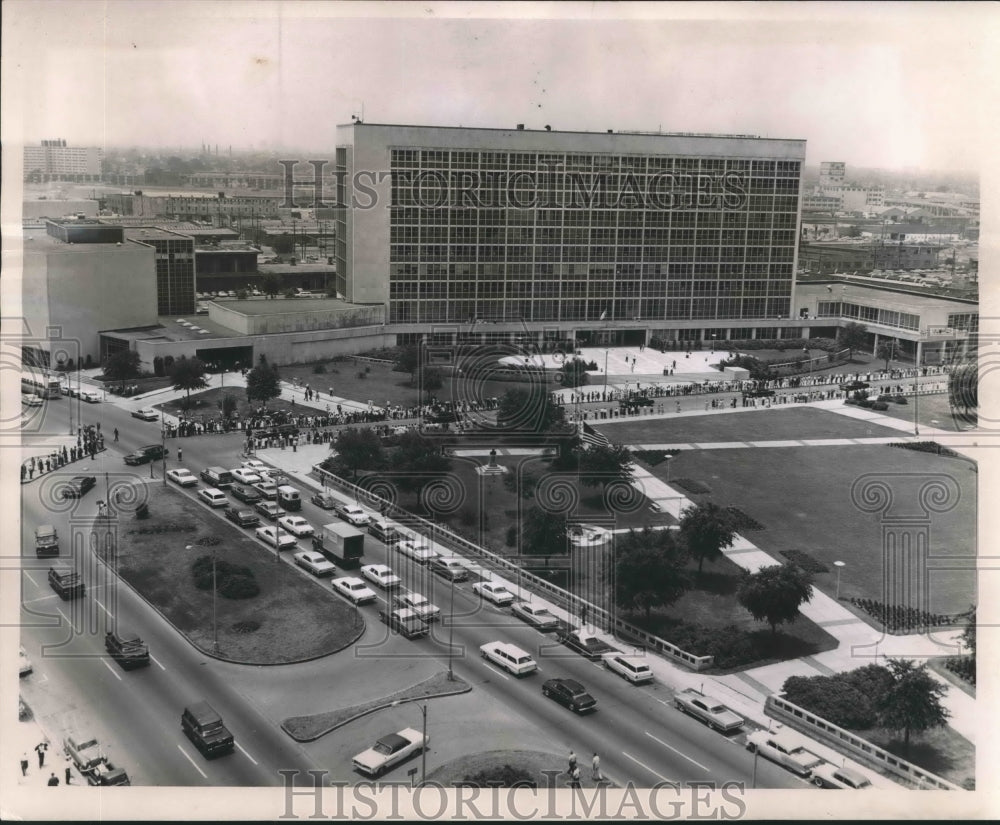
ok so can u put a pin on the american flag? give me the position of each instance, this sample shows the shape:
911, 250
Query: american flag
588, 435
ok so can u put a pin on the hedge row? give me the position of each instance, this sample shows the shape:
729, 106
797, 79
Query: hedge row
846, 699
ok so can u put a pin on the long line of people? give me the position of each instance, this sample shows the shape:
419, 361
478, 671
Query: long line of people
89, 442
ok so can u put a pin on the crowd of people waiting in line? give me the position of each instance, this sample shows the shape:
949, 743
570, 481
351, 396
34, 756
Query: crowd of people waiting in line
89, 442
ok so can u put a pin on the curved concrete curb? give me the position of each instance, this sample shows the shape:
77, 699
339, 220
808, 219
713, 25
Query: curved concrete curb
338, 718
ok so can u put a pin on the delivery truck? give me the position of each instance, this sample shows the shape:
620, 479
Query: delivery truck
340, 543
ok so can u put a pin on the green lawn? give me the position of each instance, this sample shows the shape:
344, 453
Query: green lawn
933, 411
776, 424
802, 497
299, 618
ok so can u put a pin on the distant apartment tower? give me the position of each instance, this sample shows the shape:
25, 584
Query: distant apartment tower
54, 158
832, 172
175, 270
566, 229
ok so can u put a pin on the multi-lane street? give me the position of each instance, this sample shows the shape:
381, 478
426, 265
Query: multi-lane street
136, 715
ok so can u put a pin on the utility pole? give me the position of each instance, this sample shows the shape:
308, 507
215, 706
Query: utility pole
423, 750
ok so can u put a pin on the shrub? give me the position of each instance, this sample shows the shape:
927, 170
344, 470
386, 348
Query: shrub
879, 405
505, 777
835, 699
142, 512
511, 538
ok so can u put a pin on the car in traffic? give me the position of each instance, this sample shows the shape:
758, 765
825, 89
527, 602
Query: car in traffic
352, 514
569, 693
537, 617
213, 497
315, 563
246, 493
784, 748
419, 604
450, 568
296, 525
405, 622
632, 669
389, 751
254, 465
323, 500
267, 488
91, 396
146, 414
354, 590
493, 592
217, 477
510, 657
242, 516
273, 537
384, 530
32, 400
245, 476
830, 776
78, 486
269, 510
381, 575
151, 452
420, 553
710, 711
183, 477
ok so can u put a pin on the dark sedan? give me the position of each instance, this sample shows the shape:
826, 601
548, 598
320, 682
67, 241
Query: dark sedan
242, 516
570, 693
78, 486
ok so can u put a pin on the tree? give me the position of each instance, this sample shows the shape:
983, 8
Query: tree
283, 244
574, 373
228, 405
289, 293
774, 594
431, 379
649, 571
522, 484
913, 701
852, 336
529, 410
543, 533
408, 360
263, 382
600, 464
888, 350
963, 386
122, 365
417, 460
969, 634
270, 284
853, 231
706, 529
188, 374
358, 449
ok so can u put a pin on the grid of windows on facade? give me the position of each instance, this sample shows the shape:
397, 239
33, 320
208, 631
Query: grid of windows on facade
867, 314
568, 237
175, 282
967, 320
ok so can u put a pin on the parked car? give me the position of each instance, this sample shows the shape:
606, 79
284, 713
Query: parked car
269, 510
242, 516
353, 514
24, 663
830, 776
418, 552
537, 617
784, 748
493, 592
570, 694
710, 711
389, 751
354, 590
272, 537
381, 575
245, 476
324, 500
315, 563
296, 525
632, 669
151, 452
91, 396
183, 477
146, 414
78, 486
423, 608
213, 497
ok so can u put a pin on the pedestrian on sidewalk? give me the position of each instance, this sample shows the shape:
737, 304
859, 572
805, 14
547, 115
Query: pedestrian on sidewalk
180, 455
116, 435
40, 749
595, 764
53, 780
572, 761
24, 764
69, 771
574, 777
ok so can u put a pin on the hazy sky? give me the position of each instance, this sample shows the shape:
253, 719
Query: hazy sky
874, 85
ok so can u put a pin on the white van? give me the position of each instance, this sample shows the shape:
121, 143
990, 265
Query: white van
631, 668
509, 657
289, 498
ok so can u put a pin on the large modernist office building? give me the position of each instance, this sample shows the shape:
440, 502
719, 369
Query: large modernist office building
569, 231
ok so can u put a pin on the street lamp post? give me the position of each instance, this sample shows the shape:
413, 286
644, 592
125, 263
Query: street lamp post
713, 342
840, 566
423, 750
451, 631
163, 454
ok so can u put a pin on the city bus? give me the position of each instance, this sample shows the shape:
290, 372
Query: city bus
42, 385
